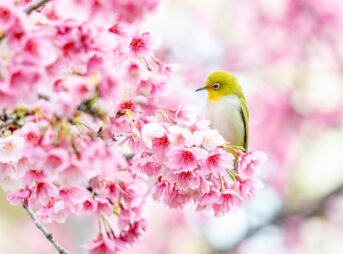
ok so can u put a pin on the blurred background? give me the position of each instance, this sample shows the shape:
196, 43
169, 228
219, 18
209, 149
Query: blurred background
288, 56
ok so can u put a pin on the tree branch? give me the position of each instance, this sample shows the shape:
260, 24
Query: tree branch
46, 233
35, 6
307, 210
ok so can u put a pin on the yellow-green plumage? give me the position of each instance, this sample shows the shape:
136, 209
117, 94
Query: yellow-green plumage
227, 108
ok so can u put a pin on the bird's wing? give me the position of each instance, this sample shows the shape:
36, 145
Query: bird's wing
245, 117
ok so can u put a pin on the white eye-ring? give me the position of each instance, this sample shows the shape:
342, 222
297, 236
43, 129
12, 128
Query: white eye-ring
216, 86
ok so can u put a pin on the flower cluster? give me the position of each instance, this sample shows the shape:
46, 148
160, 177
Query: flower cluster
83, 129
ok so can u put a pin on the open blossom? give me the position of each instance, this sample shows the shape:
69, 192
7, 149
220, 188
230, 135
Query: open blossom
9, 178
34, 176
180, 136
217, 162
11, 148
150, 131
247, 188
102, 245
43, 192
31, 133
19, 196
248, 162
210, 139
185, 159
140, 44
55, 210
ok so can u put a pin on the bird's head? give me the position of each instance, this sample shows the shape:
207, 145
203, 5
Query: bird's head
219, 84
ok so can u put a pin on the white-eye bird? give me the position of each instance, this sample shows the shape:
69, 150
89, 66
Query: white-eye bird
227, 108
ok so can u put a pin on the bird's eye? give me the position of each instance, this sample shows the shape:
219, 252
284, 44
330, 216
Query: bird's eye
216, 86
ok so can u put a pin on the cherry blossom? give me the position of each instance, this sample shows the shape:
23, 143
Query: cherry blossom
83, 129
11, 148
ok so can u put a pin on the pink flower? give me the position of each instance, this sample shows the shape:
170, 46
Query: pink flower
24, 81
177, 199
248, 162
54, 160
34, 176
9, 179
137, 72
247, 188
208, 200
217, 162
71, 173
160, 146
127, 106
102, 245
133, 10
180, 136
9, 15
109, 87
39, 50
185, 159
74, 195
19, 196
160, 189
43, 192
189, 114
55, 210
11, 148
103, 206
140, 44
210, 139
185, 180
134, 231
220, 202
17, 33
228, 199
30, 132
150, 131
117, 30
89, 206
147, 165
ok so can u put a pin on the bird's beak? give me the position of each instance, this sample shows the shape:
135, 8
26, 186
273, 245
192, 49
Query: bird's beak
199, 89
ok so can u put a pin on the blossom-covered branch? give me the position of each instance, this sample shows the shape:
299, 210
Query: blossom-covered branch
48, 235
78, 98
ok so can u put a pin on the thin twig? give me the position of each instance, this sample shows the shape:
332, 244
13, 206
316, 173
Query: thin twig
46, 233
35, 6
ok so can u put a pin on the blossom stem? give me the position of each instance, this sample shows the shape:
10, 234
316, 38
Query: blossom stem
46, 233
107, 226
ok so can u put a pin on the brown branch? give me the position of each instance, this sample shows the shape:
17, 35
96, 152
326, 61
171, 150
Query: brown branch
46, 233
35, 6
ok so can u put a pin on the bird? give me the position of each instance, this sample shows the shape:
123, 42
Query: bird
227, 109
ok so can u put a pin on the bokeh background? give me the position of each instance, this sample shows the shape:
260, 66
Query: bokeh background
288, 56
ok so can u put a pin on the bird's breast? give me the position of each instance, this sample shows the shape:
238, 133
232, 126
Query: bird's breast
225, 115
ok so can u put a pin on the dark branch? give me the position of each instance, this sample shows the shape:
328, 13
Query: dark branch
47, 234
36, 6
